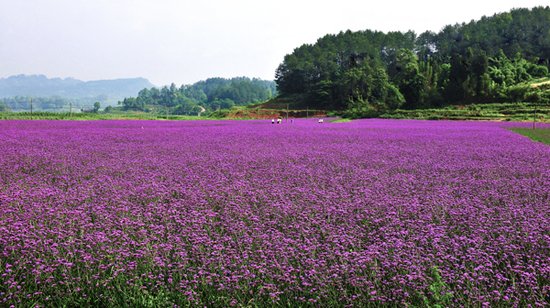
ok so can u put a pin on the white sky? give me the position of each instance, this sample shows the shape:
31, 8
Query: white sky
185, 41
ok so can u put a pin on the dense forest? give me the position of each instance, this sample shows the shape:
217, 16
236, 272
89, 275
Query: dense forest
489, 60
210, 94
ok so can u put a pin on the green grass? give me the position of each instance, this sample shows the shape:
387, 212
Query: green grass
342, 120
539, 134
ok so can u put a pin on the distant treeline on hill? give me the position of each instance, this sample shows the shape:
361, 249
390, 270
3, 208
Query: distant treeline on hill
50, 104
490, 60
42, 88
64, 94
210, 94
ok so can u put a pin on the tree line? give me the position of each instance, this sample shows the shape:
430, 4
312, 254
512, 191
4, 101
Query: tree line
488, 60
210, 94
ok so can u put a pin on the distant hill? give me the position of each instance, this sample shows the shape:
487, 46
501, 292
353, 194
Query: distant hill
104, 91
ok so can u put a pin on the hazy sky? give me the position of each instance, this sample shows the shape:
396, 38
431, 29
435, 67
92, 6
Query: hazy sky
185, 41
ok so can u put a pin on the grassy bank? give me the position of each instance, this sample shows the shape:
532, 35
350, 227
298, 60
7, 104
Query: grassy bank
91, 116
539, 134
498, 112
490, 112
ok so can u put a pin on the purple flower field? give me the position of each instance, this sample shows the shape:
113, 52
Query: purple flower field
246, 213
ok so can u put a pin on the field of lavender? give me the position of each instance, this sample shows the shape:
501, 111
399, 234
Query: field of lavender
246, 213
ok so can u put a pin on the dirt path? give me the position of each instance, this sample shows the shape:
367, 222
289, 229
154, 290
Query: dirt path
536, 85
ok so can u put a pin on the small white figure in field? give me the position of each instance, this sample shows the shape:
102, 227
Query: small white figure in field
272, 121
320, 120
279, 121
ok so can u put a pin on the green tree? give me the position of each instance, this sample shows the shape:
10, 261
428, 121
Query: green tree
3, 107
407, 77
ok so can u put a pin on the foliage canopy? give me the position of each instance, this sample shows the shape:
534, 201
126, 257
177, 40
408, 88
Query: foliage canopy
210, 94
489, 60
